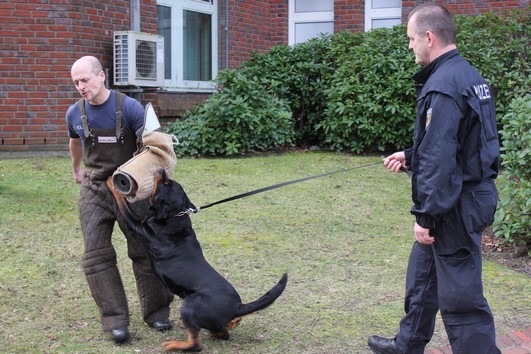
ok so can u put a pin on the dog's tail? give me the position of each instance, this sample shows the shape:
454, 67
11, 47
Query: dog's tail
265, 300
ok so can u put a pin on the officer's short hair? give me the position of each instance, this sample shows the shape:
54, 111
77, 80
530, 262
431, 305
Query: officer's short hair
435, 18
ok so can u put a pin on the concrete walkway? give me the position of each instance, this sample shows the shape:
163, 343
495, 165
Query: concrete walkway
517, 342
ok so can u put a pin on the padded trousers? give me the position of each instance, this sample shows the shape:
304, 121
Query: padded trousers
97, 217
446, 276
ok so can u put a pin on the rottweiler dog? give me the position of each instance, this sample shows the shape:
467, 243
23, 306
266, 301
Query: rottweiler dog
210, 301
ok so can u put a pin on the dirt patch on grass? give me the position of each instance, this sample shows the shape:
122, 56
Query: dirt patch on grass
494, 250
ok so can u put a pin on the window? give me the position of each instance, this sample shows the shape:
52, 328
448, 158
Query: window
309, 18
189, 28
382, 13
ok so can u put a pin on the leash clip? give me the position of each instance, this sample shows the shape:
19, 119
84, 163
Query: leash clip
187, 212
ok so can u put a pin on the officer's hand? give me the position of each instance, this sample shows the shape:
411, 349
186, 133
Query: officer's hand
422, 235
396, 161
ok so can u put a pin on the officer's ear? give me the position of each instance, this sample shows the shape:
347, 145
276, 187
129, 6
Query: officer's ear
430, 38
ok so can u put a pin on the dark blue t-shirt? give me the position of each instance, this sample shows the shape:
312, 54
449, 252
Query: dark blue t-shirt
104, 116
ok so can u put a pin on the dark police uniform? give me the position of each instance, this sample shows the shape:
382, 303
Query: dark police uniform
454, 161
111, 134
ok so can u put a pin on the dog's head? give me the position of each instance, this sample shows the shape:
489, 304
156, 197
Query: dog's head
168, 198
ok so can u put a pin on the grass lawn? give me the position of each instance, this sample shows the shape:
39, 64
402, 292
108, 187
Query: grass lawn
344, 240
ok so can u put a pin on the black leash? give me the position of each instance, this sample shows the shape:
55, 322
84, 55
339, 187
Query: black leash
256, 191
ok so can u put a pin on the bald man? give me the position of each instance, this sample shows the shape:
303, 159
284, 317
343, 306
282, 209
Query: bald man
105, 129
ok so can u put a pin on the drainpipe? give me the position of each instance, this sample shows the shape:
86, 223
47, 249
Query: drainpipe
135, 15
134, 7
226, 34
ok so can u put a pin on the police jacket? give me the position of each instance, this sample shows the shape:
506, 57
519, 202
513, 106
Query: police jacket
455, 140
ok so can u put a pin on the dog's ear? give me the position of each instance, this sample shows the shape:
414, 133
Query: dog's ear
185, 203
188, 203
162, 203
164, 175
169, 200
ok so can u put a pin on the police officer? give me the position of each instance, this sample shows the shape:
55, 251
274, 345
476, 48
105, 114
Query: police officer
454, 161
105, 129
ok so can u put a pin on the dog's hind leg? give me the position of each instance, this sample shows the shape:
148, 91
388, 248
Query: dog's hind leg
191, 345
224, 332
234, 323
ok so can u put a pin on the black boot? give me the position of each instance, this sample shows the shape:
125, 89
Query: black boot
380, 345
120, 335
162, 326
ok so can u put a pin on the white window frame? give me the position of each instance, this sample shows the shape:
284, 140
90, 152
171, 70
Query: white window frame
176, 83
305, 17
380, 14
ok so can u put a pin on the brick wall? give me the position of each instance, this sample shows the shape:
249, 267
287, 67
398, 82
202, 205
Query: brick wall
39, 41
469, 7
349, 16
278, 22
254, 26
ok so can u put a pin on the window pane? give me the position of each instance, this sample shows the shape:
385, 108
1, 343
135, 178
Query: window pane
197, 40
164, 28
380, 4
386, 23
314, 5
305, 31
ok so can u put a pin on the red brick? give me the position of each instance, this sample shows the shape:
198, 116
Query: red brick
516, 350
524, 337
516, 339
14, 147
503, 341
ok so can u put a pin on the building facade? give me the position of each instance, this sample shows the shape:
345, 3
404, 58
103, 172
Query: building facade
195, 39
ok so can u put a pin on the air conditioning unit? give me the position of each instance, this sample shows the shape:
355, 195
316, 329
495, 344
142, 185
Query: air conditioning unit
138, 59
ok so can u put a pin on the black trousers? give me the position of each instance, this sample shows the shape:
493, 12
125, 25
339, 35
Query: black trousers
446, 276
98, 217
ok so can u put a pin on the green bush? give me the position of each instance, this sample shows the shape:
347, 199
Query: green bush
513, 217
370, 97
242, 117
298, 74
